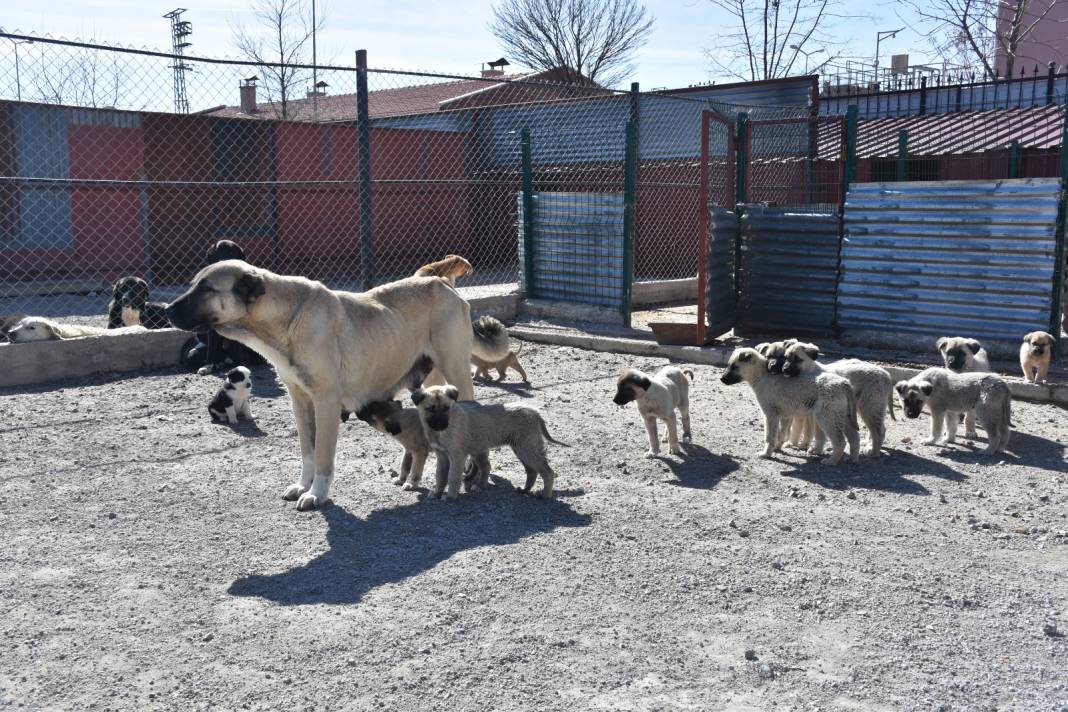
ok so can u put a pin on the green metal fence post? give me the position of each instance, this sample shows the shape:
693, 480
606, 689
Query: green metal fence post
1014, 159
902, 155
1059, 252
630, 182
528, 219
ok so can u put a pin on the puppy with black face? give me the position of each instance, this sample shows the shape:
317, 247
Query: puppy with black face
962, 355
658, 396
130, 306
1035, 354
949, 394
224, 250
457, 430
404, 426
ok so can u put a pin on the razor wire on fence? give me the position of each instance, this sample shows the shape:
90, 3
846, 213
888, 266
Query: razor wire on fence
101, 177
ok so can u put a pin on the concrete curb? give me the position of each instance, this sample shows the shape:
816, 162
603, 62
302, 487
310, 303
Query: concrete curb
130, 349
1056, 394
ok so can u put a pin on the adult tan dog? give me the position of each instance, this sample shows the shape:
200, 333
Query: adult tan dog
333, 350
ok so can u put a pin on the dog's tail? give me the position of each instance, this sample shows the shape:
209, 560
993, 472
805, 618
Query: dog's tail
689, 373
491, 340
890, 404
545, 432
852, 414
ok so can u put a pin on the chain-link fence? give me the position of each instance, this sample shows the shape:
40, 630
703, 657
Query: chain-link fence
101, 177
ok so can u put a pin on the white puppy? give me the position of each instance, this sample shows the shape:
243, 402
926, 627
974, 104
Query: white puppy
658, 396
36, 328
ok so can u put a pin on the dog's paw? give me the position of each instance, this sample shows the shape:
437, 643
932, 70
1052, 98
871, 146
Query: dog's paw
765, 454
929, 441
971, 435
677, 451
292, 492
204, 371
687, 438
832, 460
309, 501
409, 486
651, 453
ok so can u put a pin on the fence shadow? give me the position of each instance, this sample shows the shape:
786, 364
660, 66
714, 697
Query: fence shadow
699, 468
367, 553
889, 473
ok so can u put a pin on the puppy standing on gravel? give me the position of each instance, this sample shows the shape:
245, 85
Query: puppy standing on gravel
458, 429
404, 426
232, 400
658, 396
1035, 354
801, 431
872, 386
490, 348
963, 355
948, 394
828, 396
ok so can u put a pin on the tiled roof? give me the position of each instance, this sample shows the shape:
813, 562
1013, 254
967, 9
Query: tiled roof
401, 101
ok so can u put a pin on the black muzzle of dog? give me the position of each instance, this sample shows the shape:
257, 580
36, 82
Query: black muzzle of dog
729, 378
622, 398
913, 410
180, 312
437, 421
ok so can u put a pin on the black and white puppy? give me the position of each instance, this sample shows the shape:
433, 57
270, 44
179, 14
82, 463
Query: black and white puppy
658, 396
130, 306
233, 398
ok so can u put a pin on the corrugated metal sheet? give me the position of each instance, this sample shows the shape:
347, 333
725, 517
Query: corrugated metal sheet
970, 258
720, 302
789, 270
578, 247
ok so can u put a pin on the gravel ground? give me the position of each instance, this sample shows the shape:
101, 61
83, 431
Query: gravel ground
149, 563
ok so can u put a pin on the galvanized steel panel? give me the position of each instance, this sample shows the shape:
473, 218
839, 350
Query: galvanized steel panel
578, 247
789, 270
720, 294
969, 258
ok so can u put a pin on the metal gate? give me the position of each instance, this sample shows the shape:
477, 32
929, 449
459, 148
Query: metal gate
716, 305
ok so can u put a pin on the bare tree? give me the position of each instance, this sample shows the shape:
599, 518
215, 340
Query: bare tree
81, 78
280, 40
773, 36
977, 31
595, 39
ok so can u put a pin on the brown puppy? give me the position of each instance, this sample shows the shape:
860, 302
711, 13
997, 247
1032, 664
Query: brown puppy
482, 366
449, 267
1035, 353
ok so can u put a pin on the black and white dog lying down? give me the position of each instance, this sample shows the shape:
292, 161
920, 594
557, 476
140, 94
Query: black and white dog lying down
130, 306
208, 351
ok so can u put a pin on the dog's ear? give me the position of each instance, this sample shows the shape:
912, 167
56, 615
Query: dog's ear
452, 392
901, 387
941, 343
762, 348
49, 329
418, 395
250, 287
745, 356
926, 387
811, 350
974, 345
115, 289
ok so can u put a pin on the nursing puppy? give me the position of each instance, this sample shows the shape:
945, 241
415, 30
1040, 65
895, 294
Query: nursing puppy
404, 426
130, 306
37, 328
457, 430
948, 394
449, 267
1035, 354
963, 355
658, 396
490, 347
232, 400
827, 396
872, 386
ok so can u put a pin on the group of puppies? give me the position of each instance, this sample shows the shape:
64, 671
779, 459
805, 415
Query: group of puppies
807, 403
460, 432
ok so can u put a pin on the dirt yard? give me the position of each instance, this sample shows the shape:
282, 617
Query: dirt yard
148, 562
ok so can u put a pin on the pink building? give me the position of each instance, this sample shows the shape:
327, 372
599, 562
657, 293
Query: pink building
1047, 42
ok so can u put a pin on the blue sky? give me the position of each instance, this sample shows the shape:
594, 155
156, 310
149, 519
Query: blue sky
450, 37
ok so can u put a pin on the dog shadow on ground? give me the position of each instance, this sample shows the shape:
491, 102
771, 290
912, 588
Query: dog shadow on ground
1024, 449
245, 428
891, 472
699, 468
523, 389
367, 553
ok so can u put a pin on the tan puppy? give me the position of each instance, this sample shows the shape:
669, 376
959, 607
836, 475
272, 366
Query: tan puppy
1035, 353
482, 366
404, 426
37, 328
449, 267
801, 431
